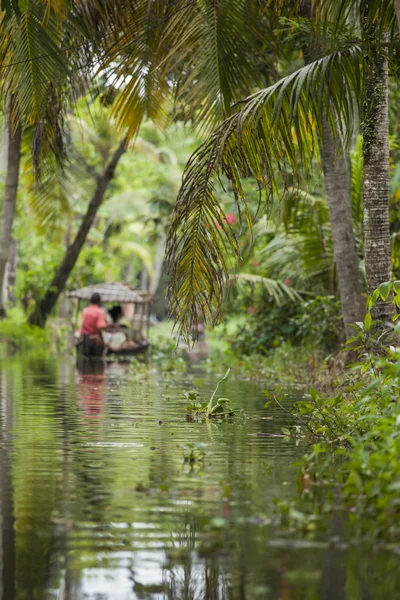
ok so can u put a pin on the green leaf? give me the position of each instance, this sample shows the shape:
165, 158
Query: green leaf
351, 340
384, 290
23, 5
367, 321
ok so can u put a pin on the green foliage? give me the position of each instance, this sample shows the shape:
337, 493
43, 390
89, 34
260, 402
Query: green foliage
317, 321
194, 453
355, 436
219, 408
256, 140
15, 331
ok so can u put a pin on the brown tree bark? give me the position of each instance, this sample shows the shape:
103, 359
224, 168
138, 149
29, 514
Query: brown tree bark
397, 9
377, 247
338, 191
57, 285
9, 203
158, 265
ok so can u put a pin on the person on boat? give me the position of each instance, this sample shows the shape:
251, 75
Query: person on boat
94, 320
113, 337
115, 315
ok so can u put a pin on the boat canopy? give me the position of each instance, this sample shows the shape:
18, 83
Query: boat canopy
112, 292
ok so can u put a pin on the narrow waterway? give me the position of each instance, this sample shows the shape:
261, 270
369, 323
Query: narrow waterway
98, 502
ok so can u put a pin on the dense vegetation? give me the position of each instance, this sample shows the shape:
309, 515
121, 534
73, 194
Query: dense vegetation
250, 148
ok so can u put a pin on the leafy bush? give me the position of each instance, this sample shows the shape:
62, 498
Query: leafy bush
317, 321
15, 331
355, 434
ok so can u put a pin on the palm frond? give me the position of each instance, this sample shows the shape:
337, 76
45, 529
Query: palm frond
278, 290
304, 259
380, 13
31, 46
299, 210
275, 129
216, 44
132, 60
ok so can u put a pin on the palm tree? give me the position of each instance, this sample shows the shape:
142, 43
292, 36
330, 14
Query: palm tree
376, 162
34, 93
109, 152
214, 52
275, 128
9, 200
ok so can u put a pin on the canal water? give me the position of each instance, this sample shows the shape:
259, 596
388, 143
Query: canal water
99, 499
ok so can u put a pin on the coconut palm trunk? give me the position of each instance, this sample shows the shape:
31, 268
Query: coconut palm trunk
397, 9
376, 174
57, 285
338, 191
9, 203
158, 265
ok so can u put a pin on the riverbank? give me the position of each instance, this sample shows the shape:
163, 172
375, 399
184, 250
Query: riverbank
352, 464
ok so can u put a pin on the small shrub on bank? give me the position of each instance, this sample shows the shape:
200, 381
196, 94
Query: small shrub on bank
18, 334
317, 321
354, 435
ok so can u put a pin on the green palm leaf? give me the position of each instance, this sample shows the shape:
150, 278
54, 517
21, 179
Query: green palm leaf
275, 128
221, 41
278, 290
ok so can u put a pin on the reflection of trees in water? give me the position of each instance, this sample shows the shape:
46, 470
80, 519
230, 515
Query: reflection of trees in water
45, 371
8, 562
188, 578
333, 582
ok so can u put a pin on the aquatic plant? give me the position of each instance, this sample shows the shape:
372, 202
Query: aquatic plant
194, 453
219, 408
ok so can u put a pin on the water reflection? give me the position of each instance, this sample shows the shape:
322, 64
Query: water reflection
97, 502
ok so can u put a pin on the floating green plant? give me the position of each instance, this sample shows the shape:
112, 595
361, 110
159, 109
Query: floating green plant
220, 408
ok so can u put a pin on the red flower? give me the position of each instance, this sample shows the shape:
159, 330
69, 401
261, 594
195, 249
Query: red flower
230, 218
287, 282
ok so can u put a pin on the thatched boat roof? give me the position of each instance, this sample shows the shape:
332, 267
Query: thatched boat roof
110, 292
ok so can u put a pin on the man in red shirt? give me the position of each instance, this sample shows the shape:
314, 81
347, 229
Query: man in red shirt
93, 319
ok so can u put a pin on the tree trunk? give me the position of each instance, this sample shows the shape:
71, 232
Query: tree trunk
9, 203
338, 191
397, 9
5, 138
158, 265
377, 248
46, 305
12, 272
144, 279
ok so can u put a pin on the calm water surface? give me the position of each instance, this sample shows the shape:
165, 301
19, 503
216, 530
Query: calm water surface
97, 502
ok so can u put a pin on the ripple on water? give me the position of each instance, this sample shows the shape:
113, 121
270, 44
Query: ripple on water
97, 500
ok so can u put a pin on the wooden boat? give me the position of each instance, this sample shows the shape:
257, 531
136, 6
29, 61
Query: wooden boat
87, 348
136, 303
